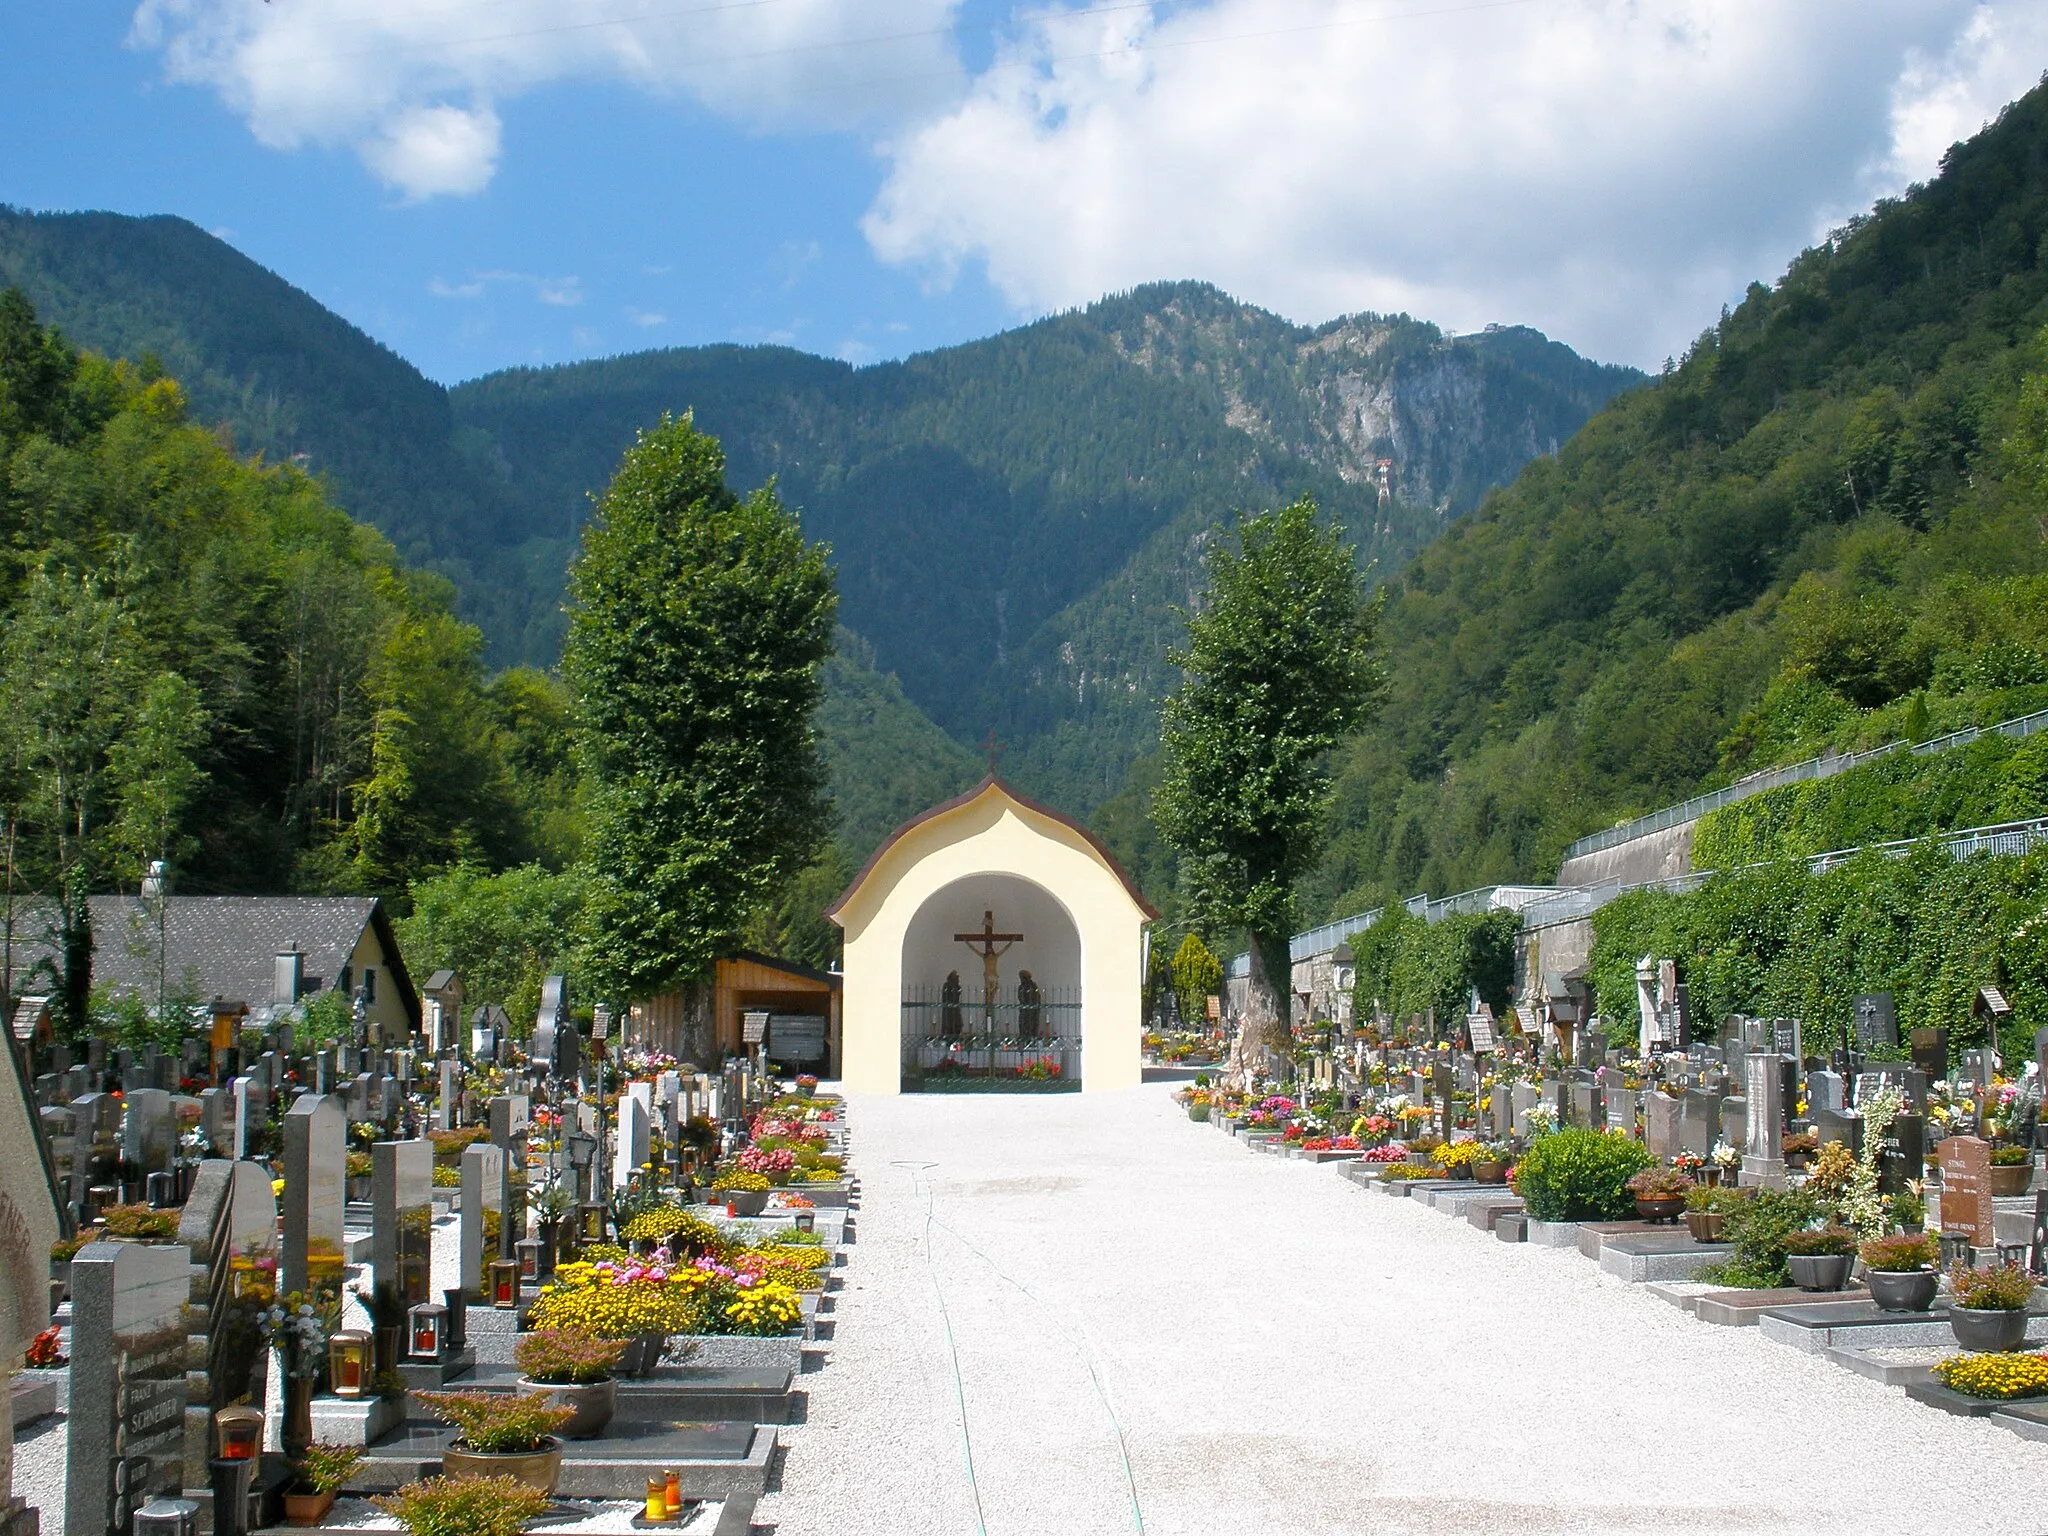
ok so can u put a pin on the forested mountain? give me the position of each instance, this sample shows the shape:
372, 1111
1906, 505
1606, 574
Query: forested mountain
1827, 526
1013, 520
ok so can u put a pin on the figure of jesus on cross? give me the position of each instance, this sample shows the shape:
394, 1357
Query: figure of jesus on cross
988, 944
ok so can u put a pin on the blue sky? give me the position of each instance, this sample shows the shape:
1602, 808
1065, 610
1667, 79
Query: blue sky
481, 183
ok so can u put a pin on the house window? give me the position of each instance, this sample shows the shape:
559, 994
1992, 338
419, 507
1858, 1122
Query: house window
369, 984
346, 985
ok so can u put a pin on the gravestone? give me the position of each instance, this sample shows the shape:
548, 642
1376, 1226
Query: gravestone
1824, 1094
1905, 1155
238, 1139
1787, 1038
402, 1219
1966, 1206
1876, 1017
483, 1195
1588, 1108
1661, 1126
635, 1124
1735, 1121
1500, 1111
1916, 1089
126, 1423
447, 1107
228, 1231
315, 1193
1763, 1160
1699, 1121
1930, 1053
1839, 1125
149, 1132
1522, 1098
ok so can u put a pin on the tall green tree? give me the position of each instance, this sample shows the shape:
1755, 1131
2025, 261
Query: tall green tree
67, 675
698, 624
1280, 666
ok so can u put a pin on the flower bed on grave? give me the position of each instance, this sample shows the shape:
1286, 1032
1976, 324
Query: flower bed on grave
2003, 1377
630, 1299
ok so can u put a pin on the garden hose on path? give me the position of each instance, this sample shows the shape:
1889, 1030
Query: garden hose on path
1079, 1347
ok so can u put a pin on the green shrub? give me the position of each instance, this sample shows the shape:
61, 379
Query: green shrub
466, 1506
1758, 1227
1580, 1175
494, 1422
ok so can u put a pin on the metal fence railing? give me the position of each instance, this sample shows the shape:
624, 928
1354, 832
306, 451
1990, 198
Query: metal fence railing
1826, 766
2008, 839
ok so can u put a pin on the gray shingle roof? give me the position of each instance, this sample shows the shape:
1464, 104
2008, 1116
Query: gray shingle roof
227, 946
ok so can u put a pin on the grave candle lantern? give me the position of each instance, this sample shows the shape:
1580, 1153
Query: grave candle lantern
348, 1363
505, 1283
240, 1429
806, 1220
529, 1258
429, 1330
593, 1222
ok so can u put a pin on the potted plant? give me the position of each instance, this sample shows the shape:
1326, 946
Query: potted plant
745, 1194
502, 1435
1580, 1174
1707, 1207
579, 1366
1660, 1193
1820, 1258
465, 1506
2012, 1170
1456, 1157
1988, 1306
1900, 1271
1798, 1149
319, 1474
1490, 1164
357, 1168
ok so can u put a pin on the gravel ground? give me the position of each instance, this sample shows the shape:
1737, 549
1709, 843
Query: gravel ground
1285, 1352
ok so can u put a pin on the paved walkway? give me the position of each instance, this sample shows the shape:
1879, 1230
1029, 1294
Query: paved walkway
1284, 1352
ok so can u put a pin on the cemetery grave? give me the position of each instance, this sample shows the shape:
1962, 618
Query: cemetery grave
1871, 1207
276, 1260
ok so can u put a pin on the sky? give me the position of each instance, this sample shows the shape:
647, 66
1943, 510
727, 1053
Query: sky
485, 183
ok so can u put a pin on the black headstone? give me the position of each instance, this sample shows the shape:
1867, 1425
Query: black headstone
1930, 1053
1877, 1020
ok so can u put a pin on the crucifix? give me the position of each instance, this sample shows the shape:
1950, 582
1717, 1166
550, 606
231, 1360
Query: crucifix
988, 944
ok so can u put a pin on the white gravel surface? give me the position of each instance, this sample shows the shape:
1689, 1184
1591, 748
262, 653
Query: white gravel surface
1286, 1352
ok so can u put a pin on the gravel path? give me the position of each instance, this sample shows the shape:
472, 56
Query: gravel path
1285, 1352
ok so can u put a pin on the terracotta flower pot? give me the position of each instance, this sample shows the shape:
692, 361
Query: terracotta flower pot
307, 1508
1706, 1226
1659, 1207
1988, 1332
2011, 1178
540, 1469
1820, 1271
1902, 1290
594, 1401
1486, 1171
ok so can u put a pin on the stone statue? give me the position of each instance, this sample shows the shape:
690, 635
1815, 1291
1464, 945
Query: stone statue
1029, 1012
949, 1006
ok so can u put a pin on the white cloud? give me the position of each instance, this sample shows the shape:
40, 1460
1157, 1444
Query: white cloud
856, 352
1607, 169
645, 318
442, 289
412, 85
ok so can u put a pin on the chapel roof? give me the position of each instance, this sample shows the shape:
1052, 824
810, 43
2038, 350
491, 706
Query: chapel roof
1026, 802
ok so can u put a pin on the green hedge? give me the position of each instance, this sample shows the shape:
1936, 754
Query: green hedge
1993, 779
1580, 1175
1409, 965
1778, 941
